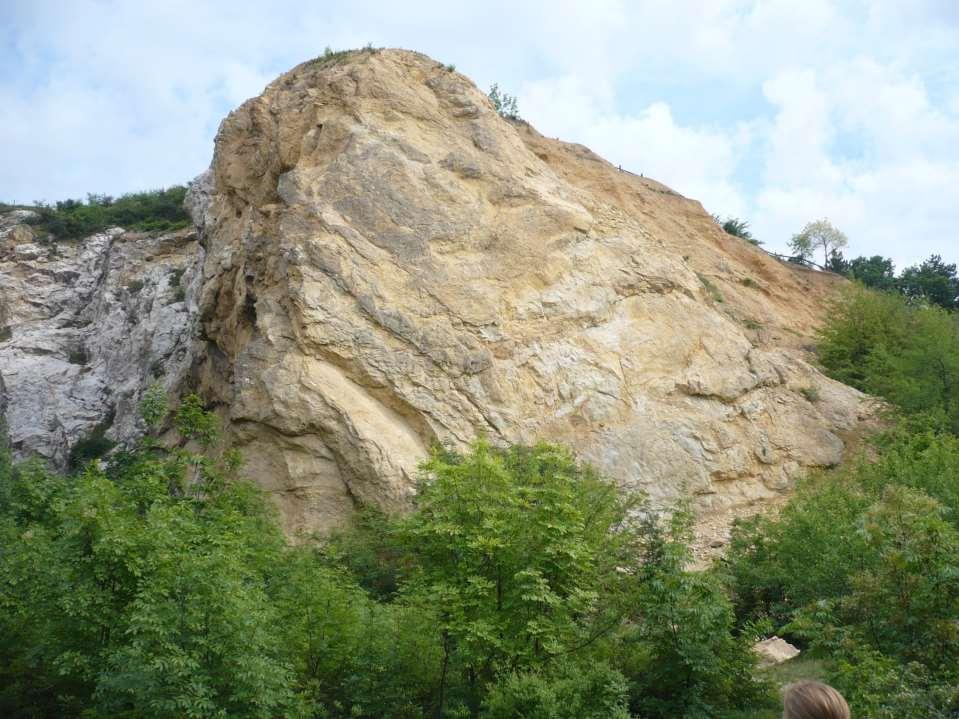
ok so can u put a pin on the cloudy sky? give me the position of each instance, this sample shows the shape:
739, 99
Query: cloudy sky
775, 111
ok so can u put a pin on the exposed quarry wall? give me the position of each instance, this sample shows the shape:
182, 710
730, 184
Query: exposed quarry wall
389, 264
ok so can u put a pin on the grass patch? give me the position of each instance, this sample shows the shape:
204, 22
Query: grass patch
810, 393
750, 324
749, 282
711, 289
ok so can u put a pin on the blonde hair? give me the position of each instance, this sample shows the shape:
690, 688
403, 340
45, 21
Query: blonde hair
813, 700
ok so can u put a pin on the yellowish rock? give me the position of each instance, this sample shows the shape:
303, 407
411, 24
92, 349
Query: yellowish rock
391, 265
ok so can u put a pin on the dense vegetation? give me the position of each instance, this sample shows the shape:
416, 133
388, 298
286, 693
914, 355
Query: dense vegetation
521, 585
861, 568
932, 281
153, 211
906, 352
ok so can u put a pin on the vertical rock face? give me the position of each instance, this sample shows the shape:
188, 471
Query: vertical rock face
85, 327
389, 264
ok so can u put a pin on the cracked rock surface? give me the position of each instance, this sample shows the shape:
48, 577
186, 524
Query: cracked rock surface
391, 265
85, 328
388, 264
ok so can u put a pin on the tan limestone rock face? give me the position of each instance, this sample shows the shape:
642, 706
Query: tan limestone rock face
390, 264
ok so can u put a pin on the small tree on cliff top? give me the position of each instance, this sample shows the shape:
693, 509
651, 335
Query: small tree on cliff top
818, 235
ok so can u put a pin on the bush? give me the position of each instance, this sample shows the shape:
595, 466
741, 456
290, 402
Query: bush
152, 211
907, 354
594, 691
861, 568
679, 650
738, 228
504, 103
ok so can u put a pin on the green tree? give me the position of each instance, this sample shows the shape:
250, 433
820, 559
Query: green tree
518, 555
123, 595
879, 343
905, 601
679, 651
593, 691
860, 568
876, 272
934, 281
152, 211
838, 263
818, 235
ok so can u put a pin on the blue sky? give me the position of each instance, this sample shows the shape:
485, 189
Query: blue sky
775, 111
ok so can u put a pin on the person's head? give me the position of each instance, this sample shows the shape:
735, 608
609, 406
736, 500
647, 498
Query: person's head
812, 700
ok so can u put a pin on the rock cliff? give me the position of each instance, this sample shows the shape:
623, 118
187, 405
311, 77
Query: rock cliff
85, 328
388, 264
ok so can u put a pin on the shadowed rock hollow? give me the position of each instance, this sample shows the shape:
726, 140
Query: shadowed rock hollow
390, 264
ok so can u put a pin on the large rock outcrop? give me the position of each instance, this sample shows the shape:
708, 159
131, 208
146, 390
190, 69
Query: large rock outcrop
390, 264
384, 263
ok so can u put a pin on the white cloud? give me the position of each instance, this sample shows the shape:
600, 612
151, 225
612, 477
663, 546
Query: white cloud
774, 111
893, 191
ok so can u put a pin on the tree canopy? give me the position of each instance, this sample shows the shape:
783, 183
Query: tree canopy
819, 234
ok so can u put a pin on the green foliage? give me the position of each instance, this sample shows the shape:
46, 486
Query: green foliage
594, 691
371, 552
159, 585
880, 687
153, 211
876, 272
194, 422
837, 263
91, 446
514, 551
862, 567
679, 652
123, 595
908, 354
711, 289
818, 235
933, 281
810, 393
738, 228
154, 406
504, 103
